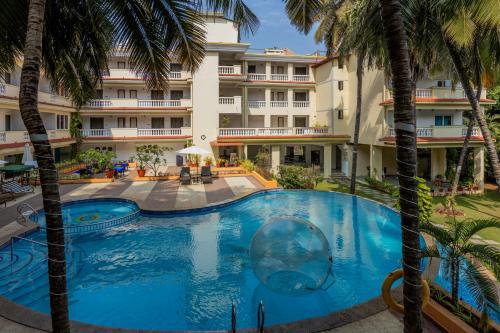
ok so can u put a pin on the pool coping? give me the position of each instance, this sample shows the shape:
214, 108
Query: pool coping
33, 319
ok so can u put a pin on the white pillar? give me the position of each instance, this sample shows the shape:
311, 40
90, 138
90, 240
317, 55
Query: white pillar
479, 167
268, 70
290, 98
267, 120
290, 120
245, 151
290, 71
275, 158
376, 162
438, 162
327, 160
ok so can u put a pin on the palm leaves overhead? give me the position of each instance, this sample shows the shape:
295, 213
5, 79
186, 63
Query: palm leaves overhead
241, 14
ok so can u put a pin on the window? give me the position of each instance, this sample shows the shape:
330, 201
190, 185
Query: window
99, 94
340, 114
121, 93
62, 122
7, 122
300, 122
121, 64
280, 70
157, 123
278, 96
176, 122
341, 85
176, 95
442, 83
7, 78
252, 69
157, 94
176, 67
281, 121
340, 63
133, 94
300, 96
96, 123
300, 71
121, 122
133, 122
442, 120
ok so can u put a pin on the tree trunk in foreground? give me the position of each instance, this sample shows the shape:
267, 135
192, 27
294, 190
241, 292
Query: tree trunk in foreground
359, 98
476, 109
28, 104
406, 155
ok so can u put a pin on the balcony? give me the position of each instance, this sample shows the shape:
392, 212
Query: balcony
229, 104
128, 74
280, 131
127, 133
441, 132
295, 105
256, 104
279, 104
438, 92
234, 70
278, 77
22, 137
12, 91
125, 103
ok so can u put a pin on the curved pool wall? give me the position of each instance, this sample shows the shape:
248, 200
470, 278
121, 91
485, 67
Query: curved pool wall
106, 289
93, 215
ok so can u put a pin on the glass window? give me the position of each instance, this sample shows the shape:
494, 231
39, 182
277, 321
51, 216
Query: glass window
281, 121
7, 78
157, 94
442, 120
176, 67
121, 93
340, 63
157, 123
121, 122
176, 95
300, 96
133, 122
96, 123
133, 94
176, 122
340, 114
300, 71
121, 64
62, 122
252, 69
341, 85
7, 122
99, 94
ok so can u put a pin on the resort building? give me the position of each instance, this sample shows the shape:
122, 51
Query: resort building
298, 108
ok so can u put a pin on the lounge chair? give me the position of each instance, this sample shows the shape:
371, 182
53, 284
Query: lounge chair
185, 176
206, 175
14, 187
6, 197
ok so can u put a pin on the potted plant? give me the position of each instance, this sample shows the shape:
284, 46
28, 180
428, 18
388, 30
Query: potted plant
208, 161
221, 163
142, 157
110, 171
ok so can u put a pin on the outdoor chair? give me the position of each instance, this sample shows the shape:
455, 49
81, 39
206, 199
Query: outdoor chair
6, 197
185, 176
14, 187
206, 175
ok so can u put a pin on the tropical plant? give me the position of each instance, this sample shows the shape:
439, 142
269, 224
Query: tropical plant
297, 177
75, 125
462, 260
248, 165
150, 156
98, 160
208, 160
424, 200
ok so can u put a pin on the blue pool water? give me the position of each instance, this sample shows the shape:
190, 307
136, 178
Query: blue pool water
185, 271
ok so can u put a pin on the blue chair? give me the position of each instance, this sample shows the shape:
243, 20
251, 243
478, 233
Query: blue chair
119, 170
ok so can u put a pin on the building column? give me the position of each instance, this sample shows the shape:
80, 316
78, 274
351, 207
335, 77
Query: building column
268, 70
267, 97
327, 160
290, 98
307, 152
267, 120
290, 71
346, 159
438, 162
245, 152
289, 120
479, 167
275, 158
376, 162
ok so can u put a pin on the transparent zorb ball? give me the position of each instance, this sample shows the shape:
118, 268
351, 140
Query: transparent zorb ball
290, 255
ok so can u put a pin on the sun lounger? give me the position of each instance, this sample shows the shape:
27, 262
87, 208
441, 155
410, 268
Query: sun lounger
206, 175
16, 188
185, 176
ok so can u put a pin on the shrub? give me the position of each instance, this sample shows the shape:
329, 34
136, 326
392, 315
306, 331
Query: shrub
247, 165
151, 156
297, 177
382, 185
96, 159
424, 200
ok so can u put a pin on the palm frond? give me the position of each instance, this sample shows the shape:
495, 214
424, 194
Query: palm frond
482, 289
443, 236
303, 13
470, 228
488, 254
430, 252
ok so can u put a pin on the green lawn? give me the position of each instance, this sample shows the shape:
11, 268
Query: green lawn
475, 207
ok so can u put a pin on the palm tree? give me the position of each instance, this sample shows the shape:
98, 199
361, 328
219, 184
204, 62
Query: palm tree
463, 260
406, 154
71, 41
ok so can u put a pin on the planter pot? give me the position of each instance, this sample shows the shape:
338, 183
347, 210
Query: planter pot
110, 173
445, 319
141, 173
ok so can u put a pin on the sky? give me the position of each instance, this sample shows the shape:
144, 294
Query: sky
275, 29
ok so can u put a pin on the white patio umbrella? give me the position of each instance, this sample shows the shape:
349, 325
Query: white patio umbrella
28, 156
193, 150
3, 162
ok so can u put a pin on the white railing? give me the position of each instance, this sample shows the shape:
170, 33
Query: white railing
256, 77
14, 137
158, 103
159, 132
279, 104
279, 77
424, 132
424, 93
230, 70
301, 104
96, 132
99, 103
3, 136
279, 131
257, 104
175, 75
301, 78
476, 131
59, 134
226, 100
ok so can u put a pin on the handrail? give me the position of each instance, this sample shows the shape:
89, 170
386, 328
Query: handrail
24, 239
260, 317
21, 212
233, 318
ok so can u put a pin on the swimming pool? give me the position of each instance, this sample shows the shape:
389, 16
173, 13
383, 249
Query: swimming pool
184, 272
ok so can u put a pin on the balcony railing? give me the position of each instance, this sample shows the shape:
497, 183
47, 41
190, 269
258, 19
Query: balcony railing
23, 136
438, 92
135, 103
99, 103
226, 100
279, 77
256, 104
158, 103
256, 77
10, 90
229, 105
175, 75
301, 104
279, 131
136, 132
230, 70
301, 78
424, 93
115, 73
279, 104
440, 132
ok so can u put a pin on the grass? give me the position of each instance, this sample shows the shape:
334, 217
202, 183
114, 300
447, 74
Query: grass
475, 207
486, 206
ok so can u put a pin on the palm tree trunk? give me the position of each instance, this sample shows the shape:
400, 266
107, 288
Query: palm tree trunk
477, 111
359, 92
28, 104
454, 280
406, 155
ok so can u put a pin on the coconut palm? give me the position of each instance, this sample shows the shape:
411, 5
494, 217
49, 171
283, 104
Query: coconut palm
463, 260
71, 42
